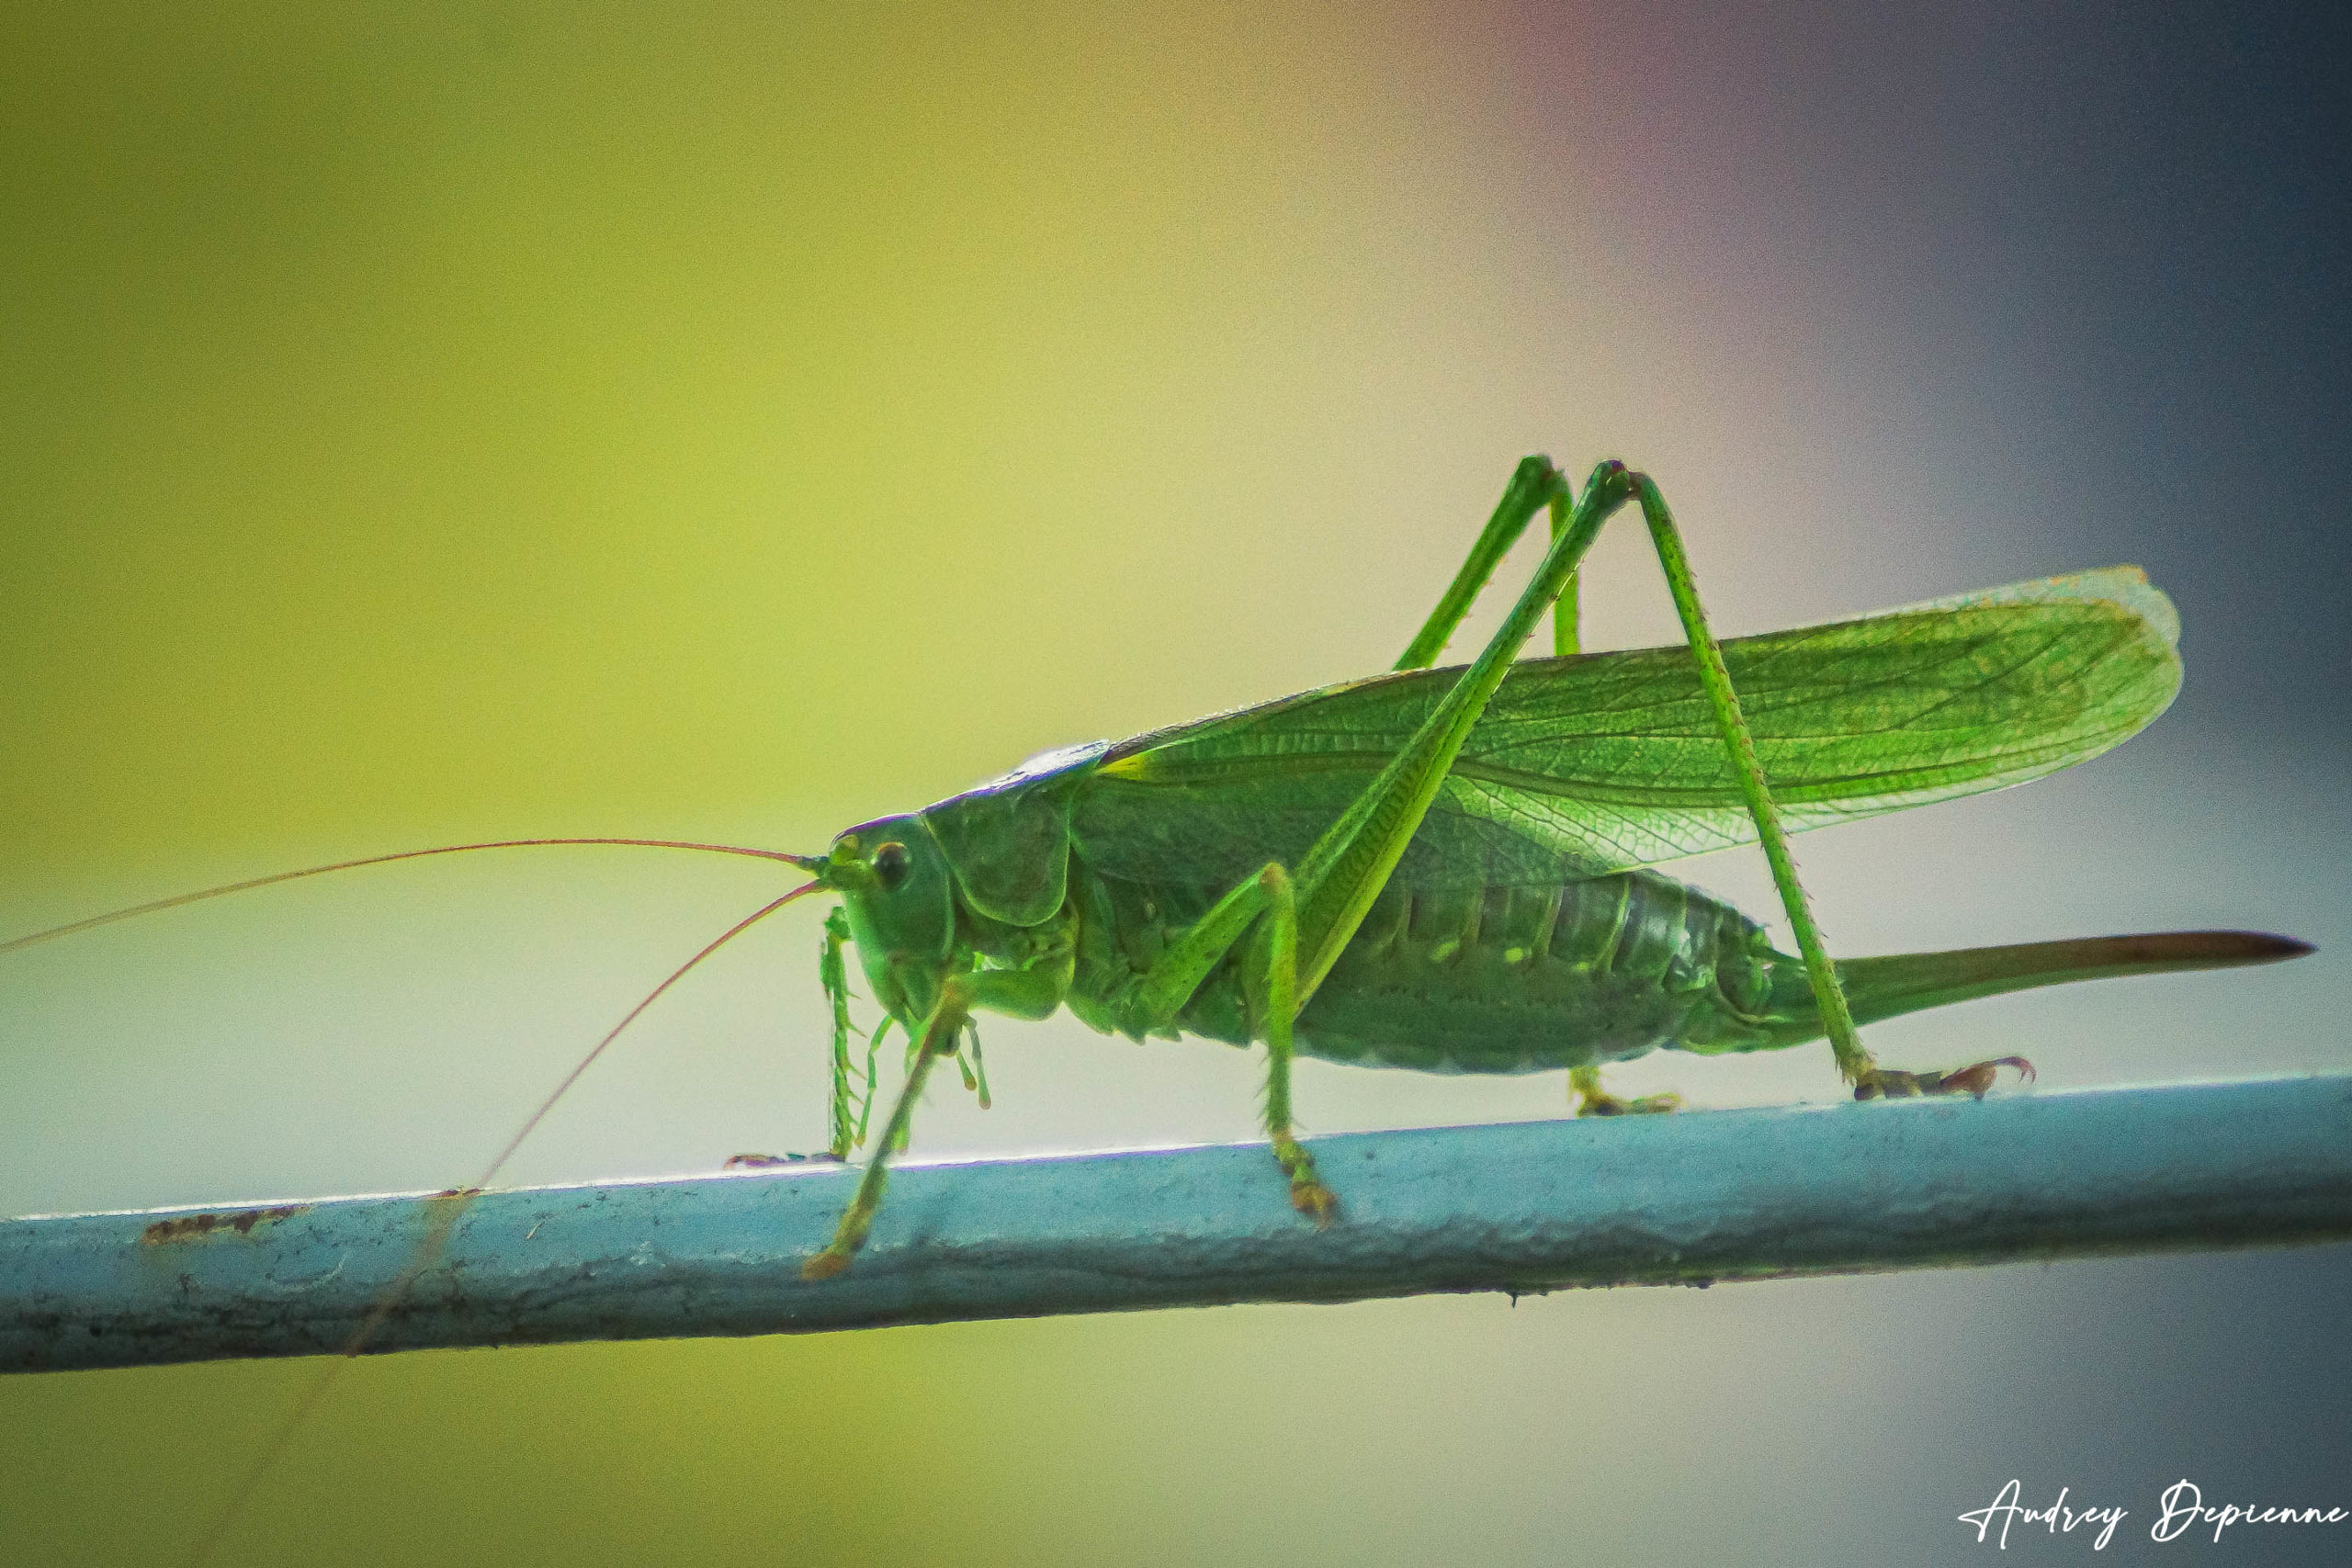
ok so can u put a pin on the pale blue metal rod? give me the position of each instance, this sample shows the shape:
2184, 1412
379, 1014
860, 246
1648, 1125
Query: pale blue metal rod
1685, 1199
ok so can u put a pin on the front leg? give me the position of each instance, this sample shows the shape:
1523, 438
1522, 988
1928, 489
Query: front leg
1032, 992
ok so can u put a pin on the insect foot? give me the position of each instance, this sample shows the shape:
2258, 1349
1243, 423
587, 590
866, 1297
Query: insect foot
768, 1162
1600, 1104
826, 1264
848, 1237
1307, 1193
1591, 1099
1893, 1083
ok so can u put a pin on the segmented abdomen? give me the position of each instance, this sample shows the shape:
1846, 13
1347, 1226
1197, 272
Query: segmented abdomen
1507, 979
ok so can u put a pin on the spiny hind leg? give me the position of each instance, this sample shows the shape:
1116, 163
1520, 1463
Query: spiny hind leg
1591, 1099
1536, 487
1853, 1061
1893, 1083
1534, 480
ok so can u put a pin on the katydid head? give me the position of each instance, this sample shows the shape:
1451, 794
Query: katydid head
897, 891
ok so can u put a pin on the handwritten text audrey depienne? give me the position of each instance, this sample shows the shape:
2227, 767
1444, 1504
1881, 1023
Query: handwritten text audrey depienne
2182, 1509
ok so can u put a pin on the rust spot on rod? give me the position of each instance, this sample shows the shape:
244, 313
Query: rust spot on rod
196, 1227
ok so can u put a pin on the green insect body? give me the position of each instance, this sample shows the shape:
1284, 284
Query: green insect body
1444, 869
1529, 978
1448, 974
1499, 979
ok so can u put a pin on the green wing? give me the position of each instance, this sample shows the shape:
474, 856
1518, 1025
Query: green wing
1605, 761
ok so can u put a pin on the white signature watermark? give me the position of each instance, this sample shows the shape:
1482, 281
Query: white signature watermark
2181, 1508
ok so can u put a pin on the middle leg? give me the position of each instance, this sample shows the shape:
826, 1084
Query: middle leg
1265, 904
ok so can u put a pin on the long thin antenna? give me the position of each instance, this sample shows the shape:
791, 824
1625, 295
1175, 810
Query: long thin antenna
347, 866
444, 1215
174, 902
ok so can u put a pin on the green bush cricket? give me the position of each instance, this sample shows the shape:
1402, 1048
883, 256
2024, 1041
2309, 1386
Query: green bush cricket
1448, 861
1444, 869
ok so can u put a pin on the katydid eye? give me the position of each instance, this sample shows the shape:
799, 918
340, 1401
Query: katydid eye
891, 865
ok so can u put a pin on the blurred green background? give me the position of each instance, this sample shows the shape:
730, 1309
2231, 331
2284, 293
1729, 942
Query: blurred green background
737, 421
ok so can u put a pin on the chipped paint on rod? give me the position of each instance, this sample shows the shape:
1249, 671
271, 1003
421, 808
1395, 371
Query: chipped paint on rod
1659, 1200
